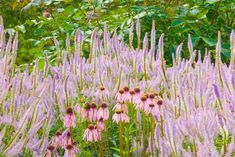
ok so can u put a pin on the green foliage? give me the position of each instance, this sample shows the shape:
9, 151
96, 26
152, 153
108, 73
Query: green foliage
177, 19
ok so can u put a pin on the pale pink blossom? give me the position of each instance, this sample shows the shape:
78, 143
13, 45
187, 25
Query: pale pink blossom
121, 106
70, 119
127, 96
120, 116
91, 134
86, 112
67, 140
100, 124
93, 111
102, 93
137, 96
51, 151
71, 150
120, 96
142, 103
103, 112
132, 95
58, 141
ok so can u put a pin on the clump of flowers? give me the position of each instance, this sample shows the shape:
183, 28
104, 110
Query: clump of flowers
118, 91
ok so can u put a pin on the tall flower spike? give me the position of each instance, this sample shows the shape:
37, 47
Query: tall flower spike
131, 35
68, 42
138, 31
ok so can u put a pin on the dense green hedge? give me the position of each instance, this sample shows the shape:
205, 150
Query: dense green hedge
176, 18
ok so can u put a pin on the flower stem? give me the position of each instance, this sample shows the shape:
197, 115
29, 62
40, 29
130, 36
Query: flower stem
137, 134
143, 134
100, 148
120, 136
152, 135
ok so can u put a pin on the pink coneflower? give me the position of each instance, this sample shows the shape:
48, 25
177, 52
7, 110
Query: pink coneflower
100, 124
127, 96
51, 151
93, 112
71, 150
132, 95
137, 96
142, 103
121, 106
152, 108
91, 134
101, 93
120, 116
46, 13
57, 142
159, 102
69, 120
120, 96
67, 140
86, 114
103, 112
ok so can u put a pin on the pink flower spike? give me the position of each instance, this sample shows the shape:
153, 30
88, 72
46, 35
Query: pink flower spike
120, 116
70, 119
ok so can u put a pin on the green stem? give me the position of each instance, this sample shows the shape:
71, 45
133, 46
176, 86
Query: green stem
143, 134
120, 136
152, 134
137, 134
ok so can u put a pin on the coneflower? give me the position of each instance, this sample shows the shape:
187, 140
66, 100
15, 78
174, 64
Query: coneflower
71, 150
93, 111
102, 93
51, 151
103, 112
143, 102
120, 116
120, 96
121, 106
58, 141
91, 134
86, 112
127, 96
70, 119
137, 96
67, 139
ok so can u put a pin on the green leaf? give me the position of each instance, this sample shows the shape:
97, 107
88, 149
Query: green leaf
212, 1
69, 10
176, 23
21, 28
209, 41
